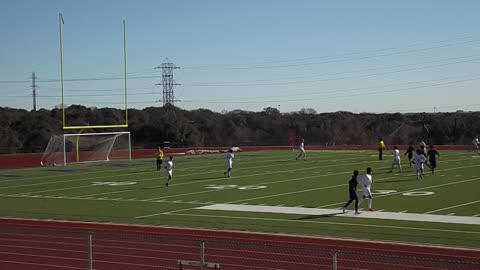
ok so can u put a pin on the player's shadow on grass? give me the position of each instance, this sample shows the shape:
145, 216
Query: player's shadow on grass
318, 216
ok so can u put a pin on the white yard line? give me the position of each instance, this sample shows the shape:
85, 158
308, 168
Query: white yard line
333, 212
301, 191
455, 206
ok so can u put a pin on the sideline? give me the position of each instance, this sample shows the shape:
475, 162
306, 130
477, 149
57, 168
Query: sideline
338, 213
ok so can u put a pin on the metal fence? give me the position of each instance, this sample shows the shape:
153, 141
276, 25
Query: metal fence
44, 249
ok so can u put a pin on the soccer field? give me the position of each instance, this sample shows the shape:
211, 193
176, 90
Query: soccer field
268, 192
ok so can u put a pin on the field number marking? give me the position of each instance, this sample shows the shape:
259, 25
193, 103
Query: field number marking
113, 184
412, 193
223, 187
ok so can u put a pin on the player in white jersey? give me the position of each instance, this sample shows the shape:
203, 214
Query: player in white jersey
169, 170
229, 163
302, 150
423, 146
396, 159
476, 144
420, 159
366, 182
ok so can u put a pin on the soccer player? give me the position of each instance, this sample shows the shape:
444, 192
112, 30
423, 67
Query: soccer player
352, 190
420, 159
431, 154
423, 146
169, 170
159, 156
396, 159
410, 152
366, 181
229, 163
381, 147
302, 150
476, 144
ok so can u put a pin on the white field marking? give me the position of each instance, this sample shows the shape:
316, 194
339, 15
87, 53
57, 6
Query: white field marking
477, 215
244, 203
288, 193
380, 210
455, 206
449, 169
222, 178
404, 211
299, 206
333, 212
264, 183
280, 205
330, 223
209, 180
450, 214
137, 172
49, 190
137, 166
105, 199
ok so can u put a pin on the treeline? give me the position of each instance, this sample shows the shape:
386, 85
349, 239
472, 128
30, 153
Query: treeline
26, 131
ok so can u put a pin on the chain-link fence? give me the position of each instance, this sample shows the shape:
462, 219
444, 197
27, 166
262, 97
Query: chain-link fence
44, 249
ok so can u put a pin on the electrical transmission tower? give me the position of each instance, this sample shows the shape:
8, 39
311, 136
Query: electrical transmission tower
168, 83
34, 92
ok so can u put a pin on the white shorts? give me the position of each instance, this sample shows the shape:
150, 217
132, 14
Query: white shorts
419, 166
396, 161
229, 165
366, 191
169, 172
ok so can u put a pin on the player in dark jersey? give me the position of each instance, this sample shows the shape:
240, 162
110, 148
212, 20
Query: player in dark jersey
352, 190
431, 154
410, 152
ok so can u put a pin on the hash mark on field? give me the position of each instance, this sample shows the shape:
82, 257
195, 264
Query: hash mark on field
381, 210
450, 214
477, 215
404, 211
244, 203
280, 205
299, 206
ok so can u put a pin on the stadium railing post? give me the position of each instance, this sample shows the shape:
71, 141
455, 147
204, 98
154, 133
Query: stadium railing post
90, 252
202, 255
334, 260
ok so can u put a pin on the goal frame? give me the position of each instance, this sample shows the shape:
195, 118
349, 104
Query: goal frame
77, 151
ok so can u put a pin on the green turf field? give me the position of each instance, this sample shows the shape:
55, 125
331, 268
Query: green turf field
134, 192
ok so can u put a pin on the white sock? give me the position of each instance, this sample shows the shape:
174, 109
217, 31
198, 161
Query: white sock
370, 203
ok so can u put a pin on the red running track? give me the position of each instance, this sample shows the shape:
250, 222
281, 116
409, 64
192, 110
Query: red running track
42, 245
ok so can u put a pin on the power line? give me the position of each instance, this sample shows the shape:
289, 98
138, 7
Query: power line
344, 60
331, 97
326, 74
333, 79
338, 55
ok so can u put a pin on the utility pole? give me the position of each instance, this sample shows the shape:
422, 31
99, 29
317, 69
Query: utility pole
34, 92
168, 83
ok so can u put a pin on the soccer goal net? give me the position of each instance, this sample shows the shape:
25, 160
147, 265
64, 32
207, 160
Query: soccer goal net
87, 147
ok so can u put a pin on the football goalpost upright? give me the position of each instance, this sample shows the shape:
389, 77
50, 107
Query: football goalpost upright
87, 147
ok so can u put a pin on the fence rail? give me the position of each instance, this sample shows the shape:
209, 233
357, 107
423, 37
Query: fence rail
52, 249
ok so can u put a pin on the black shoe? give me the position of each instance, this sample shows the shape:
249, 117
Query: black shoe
166, 184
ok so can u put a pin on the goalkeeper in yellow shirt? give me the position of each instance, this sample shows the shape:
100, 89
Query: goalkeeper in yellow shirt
381, 147
159, 156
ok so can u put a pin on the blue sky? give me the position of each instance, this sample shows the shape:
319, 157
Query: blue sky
359, 56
